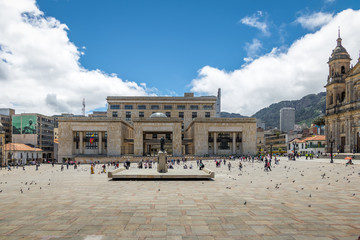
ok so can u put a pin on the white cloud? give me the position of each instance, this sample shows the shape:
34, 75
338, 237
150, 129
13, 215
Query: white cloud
40, 69
315, 20
280, 75
252, 49
256, 22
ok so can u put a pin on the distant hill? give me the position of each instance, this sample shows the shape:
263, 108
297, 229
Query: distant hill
306, 109
231, 115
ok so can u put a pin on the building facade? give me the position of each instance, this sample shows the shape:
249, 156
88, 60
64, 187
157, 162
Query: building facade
35, 130
287, 119
6, 120
309, 145
18, 153
342, 102
2, 146
135, 125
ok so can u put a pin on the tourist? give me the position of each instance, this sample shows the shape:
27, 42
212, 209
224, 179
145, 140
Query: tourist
229, 165
240, 166
62, 167
349, 162
201, 165
185, 166
92, 169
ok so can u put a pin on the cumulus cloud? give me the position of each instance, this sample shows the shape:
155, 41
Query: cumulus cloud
258, 21
282, 75
252, 49
40, 69
315, 20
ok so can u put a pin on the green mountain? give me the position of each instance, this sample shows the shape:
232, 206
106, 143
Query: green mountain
306, 110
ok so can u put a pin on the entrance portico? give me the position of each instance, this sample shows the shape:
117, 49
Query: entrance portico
148, 132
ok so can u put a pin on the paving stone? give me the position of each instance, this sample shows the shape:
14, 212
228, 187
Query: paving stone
235, 205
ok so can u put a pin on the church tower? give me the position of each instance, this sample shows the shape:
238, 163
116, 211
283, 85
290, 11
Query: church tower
339, 66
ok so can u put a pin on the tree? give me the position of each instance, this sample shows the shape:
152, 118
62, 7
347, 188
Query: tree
319, 121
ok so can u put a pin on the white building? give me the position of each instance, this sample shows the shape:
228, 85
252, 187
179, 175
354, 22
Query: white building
21, 153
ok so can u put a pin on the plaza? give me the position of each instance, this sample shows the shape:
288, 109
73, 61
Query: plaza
303, 199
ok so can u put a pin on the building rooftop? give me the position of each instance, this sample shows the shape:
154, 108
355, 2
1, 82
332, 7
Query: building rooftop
21, 147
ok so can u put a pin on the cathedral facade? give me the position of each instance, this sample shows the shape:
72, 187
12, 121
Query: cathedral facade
342, 102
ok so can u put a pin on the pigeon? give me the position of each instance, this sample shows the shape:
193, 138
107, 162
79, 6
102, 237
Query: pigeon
21, 190
309, 205
245, 203
0, 191
310, 195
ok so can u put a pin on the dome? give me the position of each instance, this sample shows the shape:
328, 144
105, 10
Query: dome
158, 115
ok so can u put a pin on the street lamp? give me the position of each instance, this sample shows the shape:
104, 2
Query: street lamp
331, 141
294, 145
271, 151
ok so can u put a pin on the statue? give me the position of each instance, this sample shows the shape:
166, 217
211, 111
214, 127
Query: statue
162, 144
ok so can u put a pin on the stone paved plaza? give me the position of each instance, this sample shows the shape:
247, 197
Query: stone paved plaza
293, 201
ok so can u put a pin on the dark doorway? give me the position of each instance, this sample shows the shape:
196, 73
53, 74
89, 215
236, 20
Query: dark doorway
342, 144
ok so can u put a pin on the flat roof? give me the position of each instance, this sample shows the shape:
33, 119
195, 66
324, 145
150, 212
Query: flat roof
159, 98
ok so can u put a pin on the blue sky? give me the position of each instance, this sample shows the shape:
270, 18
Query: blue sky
165, 43
258, 52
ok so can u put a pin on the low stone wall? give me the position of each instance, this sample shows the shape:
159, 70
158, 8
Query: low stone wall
132, 159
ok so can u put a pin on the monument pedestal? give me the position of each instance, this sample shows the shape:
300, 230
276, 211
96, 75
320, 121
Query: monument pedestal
162, 166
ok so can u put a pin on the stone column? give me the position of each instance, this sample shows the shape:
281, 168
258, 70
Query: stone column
215, 143
138, 142
100, 142
177, 141
81, 144
233, 143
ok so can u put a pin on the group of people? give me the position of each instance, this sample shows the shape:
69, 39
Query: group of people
145, 164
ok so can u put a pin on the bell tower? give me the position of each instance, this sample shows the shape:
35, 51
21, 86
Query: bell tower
339, 66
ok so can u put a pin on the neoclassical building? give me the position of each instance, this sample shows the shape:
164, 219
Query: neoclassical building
134, 126
343, 102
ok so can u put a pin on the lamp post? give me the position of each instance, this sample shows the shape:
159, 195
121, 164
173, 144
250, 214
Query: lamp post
294, 145
331, 141
271, 151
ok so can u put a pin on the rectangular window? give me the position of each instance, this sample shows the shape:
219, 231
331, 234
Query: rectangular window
207, 114
128, 116
115, 114
141, 114
181, 115
167, 107
181, 107
154, 136
168, 136
194, 115
128, 107
114, 106
208, 107
194, 107
142, 107
155, 107
91, 140
182, 126
168, 114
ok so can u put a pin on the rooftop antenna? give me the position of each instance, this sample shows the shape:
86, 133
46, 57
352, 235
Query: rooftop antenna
338, 31
83, 108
